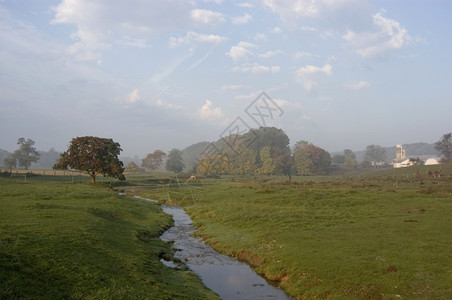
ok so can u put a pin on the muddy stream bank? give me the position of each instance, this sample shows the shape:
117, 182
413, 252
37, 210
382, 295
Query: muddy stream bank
227, 277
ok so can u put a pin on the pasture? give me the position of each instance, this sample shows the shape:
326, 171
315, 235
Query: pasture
60, 239
380, 235
383, 235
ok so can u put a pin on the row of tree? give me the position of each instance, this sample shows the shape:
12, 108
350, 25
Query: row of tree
22, 157
155, 160
262, 151
266, 151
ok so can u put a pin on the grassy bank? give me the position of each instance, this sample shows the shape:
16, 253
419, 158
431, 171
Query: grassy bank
383, 235
65, 240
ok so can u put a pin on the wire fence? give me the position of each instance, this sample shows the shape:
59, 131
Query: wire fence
63, 175
43, 172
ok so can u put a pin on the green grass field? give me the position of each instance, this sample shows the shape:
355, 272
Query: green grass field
79, 241
384, 235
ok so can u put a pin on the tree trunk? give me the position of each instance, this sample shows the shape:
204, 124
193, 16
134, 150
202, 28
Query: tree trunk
93, 178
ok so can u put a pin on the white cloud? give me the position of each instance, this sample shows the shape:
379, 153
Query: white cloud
287, 104
131, 98
246, 18
237, 53
248, 97
207, 17
309, 69
315, 15
270, 53
241, 51
196, 37
159, 102
170, 106
128, 41
246, 44
387, 35
235, 87
356, 85
102, 23
301, 8
299, 55
294, 112
305, 75
246, 4
209, 112
260, 37
256, 69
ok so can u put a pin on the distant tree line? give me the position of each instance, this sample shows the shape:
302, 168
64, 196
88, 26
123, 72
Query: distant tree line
22, 157
265, 151
154, 161
444, 146
347, 160
26, 156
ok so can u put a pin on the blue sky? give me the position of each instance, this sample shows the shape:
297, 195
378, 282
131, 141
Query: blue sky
162, 74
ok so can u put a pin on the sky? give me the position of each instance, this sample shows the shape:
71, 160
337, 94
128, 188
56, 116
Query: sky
163, 74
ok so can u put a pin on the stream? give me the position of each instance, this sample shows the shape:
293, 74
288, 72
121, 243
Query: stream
227, 277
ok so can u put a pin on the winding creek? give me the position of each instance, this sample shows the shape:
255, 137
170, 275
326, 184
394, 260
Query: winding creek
227, 277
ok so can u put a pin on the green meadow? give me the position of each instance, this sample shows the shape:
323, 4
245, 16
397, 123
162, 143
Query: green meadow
384, 235
380, 235
60, 239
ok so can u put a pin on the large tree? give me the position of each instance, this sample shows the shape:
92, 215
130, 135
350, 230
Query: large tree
24, 156
375, 153
282, 159
271, 148
267, 162
338, 159
245, 163
350, 159
256, 139
302, 160
310, 159
444, 146
154, 160
174, 161
9, 162
258, 151
94, 156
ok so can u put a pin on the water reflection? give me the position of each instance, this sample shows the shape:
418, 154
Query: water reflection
229, 278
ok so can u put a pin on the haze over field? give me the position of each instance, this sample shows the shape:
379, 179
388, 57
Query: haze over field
164, 74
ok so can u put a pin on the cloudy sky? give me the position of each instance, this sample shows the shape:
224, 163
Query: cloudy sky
160, 74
